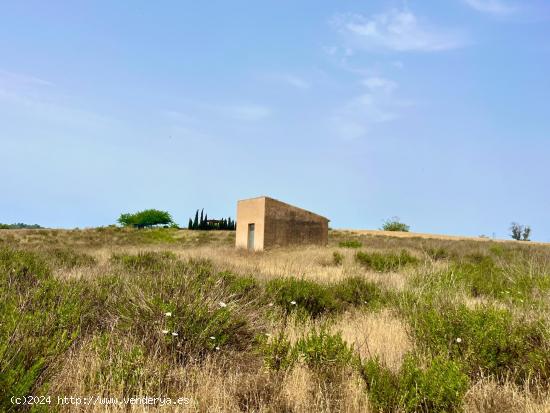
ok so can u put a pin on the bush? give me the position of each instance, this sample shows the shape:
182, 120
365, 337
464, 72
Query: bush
41, 318
438, 388
299, 294
350, 244
357, 291
485, 340
385, 262
278, 352
337, 258
320, 350
393, 224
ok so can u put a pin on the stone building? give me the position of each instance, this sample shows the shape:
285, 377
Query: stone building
264, 222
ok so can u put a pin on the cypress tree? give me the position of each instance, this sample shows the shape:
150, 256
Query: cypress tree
206, 221
201, 222
196, 221
190, 225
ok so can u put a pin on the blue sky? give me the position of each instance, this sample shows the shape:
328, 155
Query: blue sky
437, 112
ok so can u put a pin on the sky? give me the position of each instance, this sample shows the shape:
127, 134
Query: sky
437, 112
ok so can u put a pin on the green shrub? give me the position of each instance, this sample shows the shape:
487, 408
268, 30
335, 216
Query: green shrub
485, 340
239, 285
357, 291
385, 262
337, 258
353, 243
278, 353
118, 369
394, 224
438, 388
320, 350
293, 294
41, 317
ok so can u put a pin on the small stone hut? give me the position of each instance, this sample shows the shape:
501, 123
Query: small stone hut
265, 222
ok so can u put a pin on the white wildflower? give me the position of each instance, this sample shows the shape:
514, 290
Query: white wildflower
270, 304
293, 302
458, 340
212, 338
174, 333
222, 304
168, 314
217, 348
165, 331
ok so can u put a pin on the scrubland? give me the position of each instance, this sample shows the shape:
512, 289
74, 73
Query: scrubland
366, 324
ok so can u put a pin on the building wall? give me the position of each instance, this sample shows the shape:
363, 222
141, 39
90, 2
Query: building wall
289, 225
250, 211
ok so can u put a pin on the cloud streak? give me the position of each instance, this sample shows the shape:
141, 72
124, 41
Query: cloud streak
496, 7
398, 31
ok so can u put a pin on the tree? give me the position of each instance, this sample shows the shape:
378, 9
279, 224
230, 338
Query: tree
146, 218
196, 221
520, 232
190, 224
394, 224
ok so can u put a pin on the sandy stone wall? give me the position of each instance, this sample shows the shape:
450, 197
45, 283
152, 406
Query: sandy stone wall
250, 211
289, 225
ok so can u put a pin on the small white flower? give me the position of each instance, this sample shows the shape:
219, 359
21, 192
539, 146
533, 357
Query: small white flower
222, 304
212, 338
293, 302
165, 331
458, 340
270, 304
267, 335
168, 314
174, 333
217, 348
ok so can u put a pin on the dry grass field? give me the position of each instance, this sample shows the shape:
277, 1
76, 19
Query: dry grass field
370, 323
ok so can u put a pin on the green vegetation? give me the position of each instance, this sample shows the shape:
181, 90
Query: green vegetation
485, 340
350, 244
394, 224
313, 299
520, 232
20, 225
205, 224
385, 262
146, 218
146, 311
337, 258
437, 388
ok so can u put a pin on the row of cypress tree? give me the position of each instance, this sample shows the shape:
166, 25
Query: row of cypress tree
201, 223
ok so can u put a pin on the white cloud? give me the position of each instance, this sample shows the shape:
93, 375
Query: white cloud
397, 30
361, 113
496, 7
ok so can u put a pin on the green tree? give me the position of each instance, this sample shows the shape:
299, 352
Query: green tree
190, 224
196, 221
146, 218
394, 224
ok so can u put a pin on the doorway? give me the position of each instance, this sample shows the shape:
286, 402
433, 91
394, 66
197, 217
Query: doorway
250, 243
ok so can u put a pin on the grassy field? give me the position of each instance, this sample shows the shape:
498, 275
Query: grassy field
369, 323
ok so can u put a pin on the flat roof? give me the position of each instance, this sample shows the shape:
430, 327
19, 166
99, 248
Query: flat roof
285, 203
